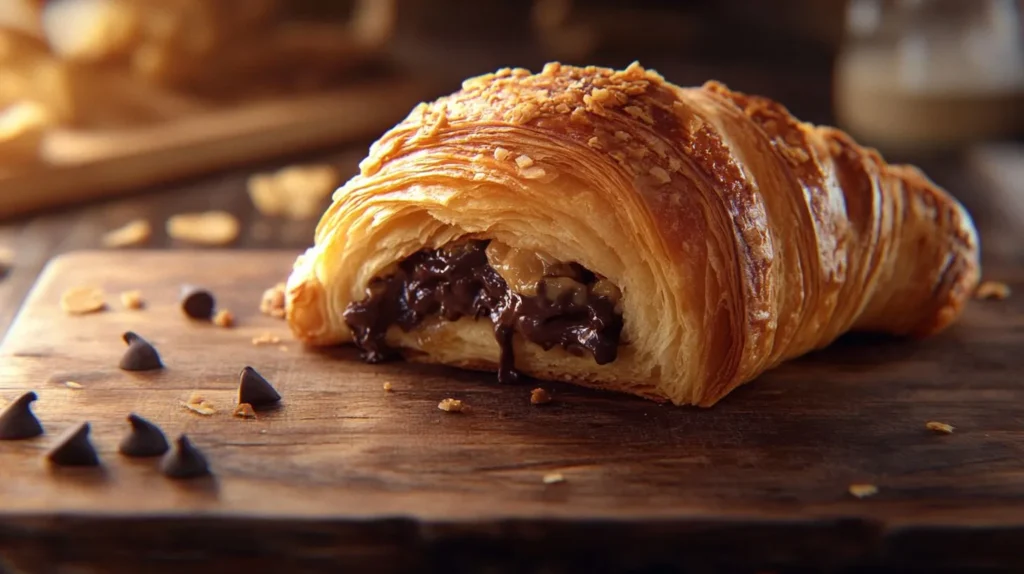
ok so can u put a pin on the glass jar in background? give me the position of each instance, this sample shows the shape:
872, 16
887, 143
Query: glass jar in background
920, 75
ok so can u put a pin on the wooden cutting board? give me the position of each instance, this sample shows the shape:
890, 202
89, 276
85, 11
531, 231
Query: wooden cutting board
347, 474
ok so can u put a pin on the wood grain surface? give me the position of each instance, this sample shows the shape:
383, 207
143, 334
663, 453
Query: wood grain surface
346, 474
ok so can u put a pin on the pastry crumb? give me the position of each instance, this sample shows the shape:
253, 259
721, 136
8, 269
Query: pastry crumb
501, 154
553, 478
451, 405
197, 403
244, 411
273, 302
206, 228
939, 427
73, 385
863, 490
524, 161
135, 232
539, 396
82, 300
996, 290
224, 318
131, 299
535, 172
387, 387
266, 339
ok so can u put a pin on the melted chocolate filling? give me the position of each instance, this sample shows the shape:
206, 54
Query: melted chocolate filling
457, 281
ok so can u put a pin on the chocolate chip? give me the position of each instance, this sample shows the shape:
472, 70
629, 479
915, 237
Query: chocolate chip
17, 421
145, 439
184, 460
197, 302
74, 449
140, 356
255, 390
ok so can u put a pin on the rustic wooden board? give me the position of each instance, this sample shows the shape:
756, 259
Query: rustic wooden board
345, 473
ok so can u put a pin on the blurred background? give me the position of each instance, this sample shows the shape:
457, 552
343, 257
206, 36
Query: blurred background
216, 123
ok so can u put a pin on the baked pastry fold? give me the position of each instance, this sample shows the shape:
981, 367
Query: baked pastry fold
526, 215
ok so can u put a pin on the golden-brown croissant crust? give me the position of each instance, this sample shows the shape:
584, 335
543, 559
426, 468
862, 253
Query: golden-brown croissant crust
611, 229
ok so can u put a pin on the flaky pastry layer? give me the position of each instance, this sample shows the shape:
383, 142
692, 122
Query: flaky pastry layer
739, 236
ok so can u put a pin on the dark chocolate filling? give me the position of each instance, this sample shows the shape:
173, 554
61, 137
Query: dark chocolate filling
457, 281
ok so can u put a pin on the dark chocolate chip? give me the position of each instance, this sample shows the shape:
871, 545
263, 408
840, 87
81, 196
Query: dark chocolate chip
255, 390
197, 302
140, 356
17, 421
184, 460
74, 449
145, 439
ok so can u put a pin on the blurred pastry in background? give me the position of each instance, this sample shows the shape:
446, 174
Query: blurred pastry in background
108, 64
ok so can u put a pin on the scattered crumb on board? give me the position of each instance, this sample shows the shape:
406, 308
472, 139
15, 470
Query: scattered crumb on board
451, 405
863, 490
553, 478
197, 403
266, 339
244, 411
539, 396
135, 232
273, 302
387, 387
939, 427
224, 318
73, 385
131, 299
82, 300
992, 290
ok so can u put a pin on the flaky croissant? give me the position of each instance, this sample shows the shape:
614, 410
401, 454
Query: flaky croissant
613, 230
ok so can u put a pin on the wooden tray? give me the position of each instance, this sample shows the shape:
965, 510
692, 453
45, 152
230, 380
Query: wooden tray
345, 474
90, 165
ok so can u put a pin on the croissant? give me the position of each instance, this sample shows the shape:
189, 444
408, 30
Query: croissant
613, 230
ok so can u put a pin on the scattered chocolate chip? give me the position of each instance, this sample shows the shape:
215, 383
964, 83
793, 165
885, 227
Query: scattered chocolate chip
17, 421
145, 439
197, 302
256, 390
184, 460
74, 449
140, 356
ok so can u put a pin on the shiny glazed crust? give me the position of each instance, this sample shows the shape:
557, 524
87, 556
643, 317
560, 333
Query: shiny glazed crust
739, 236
